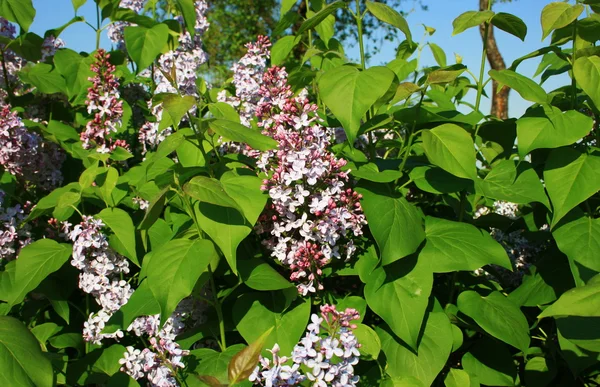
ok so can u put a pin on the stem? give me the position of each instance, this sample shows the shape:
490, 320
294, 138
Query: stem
361, 45
310, 38
482, 67
98, 30
573, 80
218, 309
412, 131
5, 71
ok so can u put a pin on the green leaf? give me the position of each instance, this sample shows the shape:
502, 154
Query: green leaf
259, 275
36, 261
179, 264
396, 225
498, 316
370, 345
582, 301
121, 225
390, 16
75, 69
234, 131
44, 78
551, 130
226, 226
45, 331
451, 148
78, 4
243, 363
257, 313
23, 362
558, 15
526, 88
176, 107
453, 246
587, 74
110, 182
445, 75
571, 177
457, 378
224, 110
246, 192
145, 44
214, 364
318, 17
209, 190
286, 5
434, 350
491, 363
516, 182
539, 372
61, 131
511, 24
470, 19
438, 54
401, 381
188, 11
350, 93
399, 294
141, 303
437, 181
21, 12
579, 239
371, 172
282, 48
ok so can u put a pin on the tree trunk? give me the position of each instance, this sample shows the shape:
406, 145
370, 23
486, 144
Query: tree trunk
499, 99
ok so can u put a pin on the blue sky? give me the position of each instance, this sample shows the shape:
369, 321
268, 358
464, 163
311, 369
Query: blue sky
80, 37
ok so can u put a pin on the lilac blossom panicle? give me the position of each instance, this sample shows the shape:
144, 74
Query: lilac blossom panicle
103, 101
324, 357
26, 155
50, 45
247, 79
313, 216
101, 268
157, 362
521, 252
14, 232
116, 31
184, 62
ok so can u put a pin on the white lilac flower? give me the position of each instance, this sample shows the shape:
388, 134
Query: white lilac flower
14, 232
247, 79
184, 62
155, 363
325, 356
313, 216
101, 268
142, 203
103, 101
26, 155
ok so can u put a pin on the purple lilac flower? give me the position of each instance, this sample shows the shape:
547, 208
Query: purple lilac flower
50, 45
26, 155
325, 356
116, 31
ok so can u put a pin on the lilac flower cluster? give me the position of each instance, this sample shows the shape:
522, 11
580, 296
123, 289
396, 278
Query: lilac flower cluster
101, 268
247, 79
14, 232
521, 251
313, 217
158, 363
103, 101
182, 65
325, 356
26, 155
116, 31
50, 45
